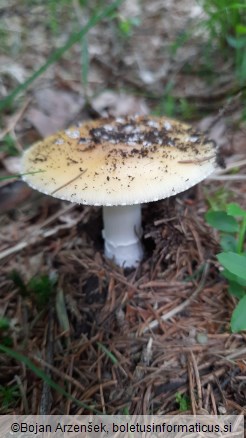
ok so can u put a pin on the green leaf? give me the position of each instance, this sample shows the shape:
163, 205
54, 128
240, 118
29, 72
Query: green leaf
236, 43
241, 29
231, 277
9, 395
235, 210
183, 401
222, 221
219, 200
9, 146
238, 319
4, 323
235, 289
235, 263
228, 243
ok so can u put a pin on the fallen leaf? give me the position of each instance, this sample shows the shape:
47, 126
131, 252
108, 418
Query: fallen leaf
12, 164
119, 104
55, 110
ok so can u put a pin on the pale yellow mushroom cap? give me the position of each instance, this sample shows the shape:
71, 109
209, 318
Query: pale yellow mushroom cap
124, 161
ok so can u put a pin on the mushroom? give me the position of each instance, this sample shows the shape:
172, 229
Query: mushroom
120, 164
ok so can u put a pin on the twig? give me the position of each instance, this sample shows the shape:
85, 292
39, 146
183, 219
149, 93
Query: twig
198, 160
231, 165
233, 404
227, 177
213, 401
14, 120
164, 221
55, 370
23, 394
34, 238
182, 306
13, 249
236, 353
198, 381
207, 397
221, 174
165, 284
191, 388
56, 215
68, 182
38, 233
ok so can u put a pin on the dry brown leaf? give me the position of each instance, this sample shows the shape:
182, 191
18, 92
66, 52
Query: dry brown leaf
55, 110
12, 164
119, 104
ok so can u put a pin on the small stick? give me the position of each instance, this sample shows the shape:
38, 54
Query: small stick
232, 165
227, 178
165, 284
198, 381
69, 182
35, 237
14, 121
207, 397
191, 388
199, 160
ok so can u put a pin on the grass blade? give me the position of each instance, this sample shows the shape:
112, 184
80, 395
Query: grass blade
42, 375
108, 353
20, 175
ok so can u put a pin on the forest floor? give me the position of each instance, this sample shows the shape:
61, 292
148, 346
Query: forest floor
78, 333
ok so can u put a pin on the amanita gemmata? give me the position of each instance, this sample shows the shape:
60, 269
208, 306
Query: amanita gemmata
119, 164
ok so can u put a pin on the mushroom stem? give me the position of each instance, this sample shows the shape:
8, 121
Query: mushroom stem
122, 233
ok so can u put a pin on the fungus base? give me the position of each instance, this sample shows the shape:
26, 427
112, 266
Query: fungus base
122, 233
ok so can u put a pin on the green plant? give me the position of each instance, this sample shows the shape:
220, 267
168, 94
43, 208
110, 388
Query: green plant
4, 323
55, 10
127, 25
224, 39
231, 224
3, 38
183, 401
172, 106
39, 288
226, 24
4, 178
219, 199
42, 288
8, 145
179, 41
8, 396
